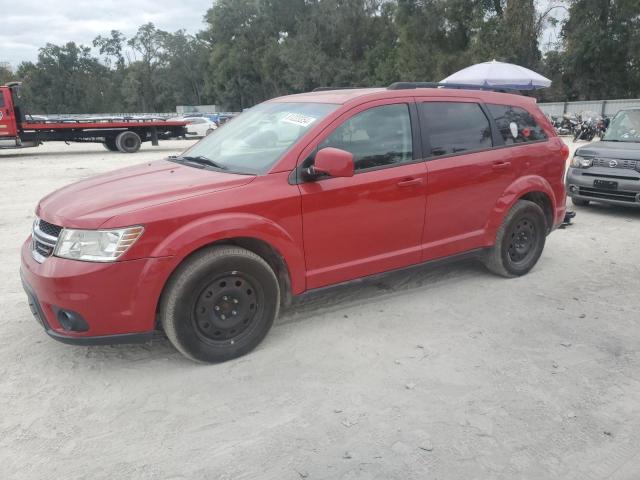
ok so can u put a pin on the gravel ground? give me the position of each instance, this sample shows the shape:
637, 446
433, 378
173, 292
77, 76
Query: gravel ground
438, 373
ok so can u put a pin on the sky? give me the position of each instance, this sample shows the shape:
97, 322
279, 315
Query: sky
27, 25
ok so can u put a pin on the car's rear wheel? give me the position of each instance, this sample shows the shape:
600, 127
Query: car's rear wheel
579, 202
209, 131
220, 304
519, 241
128, 142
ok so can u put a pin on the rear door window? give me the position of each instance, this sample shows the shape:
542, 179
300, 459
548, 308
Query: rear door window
515, 124
454, 128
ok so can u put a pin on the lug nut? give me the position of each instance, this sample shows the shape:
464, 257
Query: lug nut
234, 313
225, 298
216, 308
235, 300
224, 317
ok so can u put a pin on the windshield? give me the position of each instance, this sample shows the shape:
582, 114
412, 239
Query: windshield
255, 140
625, 127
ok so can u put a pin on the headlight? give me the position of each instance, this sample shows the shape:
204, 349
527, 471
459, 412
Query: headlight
96, 245
581, 162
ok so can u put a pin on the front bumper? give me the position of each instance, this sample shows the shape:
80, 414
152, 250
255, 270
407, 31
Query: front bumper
580, 185
116, 300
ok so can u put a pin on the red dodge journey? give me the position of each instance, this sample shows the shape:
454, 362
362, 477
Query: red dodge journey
297, 193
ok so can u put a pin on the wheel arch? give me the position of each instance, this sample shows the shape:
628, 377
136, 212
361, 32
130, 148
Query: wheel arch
256, 234
533, 188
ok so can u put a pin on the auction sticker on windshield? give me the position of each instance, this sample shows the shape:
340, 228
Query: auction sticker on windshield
298, 119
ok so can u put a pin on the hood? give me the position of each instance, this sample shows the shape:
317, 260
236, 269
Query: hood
604, 149
91, 202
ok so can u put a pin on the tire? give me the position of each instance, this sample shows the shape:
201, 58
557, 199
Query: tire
128, 142
579, 202
219, 304
519, 241
209, 131
110, 144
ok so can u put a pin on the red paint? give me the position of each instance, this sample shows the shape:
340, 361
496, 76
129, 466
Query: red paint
334, 162
326, 231
8, 124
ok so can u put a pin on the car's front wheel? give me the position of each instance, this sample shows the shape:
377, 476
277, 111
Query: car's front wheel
519, 241
220, 304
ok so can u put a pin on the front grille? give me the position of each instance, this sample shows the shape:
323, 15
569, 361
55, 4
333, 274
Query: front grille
617, 177
619, 195
616, 163
49, 228
45, 237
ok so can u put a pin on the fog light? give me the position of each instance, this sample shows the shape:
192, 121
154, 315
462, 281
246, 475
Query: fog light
573, 188
71, 321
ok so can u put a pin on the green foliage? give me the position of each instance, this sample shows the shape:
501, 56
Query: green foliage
6, 75
252, 50
601, 58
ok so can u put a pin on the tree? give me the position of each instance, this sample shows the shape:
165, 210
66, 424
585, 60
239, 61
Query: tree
6, 74
601, 58
148, 46
65, 79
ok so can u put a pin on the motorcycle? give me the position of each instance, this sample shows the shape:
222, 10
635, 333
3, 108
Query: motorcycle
566, 125
587, 128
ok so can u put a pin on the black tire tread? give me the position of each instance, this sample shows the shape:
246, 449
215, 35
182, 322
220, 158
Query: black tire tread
493, 259
197, 261
124, 134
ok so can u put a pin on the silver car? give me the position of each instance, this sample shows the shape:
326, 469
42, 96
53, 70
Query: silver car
609, 171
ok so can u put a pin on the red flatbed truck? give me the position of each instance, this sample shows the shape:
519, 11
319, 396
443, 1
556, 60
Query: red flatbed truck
116, 134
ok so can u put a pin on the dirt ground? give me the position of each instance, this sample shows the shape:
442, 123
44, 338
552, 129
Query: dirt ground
435, 373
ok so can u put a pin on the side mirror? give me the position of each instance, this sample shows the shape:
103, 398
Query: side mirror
334, 162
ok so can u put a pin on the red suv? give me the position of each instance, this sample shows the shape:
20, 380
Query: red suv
296, 193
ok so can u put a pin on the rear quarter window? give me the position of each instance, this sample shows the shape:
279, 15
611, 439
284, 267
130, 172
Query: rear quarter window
515, 124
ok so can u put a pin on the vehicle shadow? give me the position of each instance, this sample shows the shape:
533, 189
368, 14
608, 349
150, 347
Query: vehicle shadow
609, 210
378, 288
35, 155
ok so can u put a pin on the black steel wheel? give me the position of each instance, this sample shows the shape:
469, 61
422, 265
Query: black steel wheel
220, 303
128, 142
522, 239
519, 240
227, 307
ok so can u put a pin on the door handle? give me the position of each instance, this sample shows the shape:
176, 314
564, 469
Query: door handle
501, 165
410, 182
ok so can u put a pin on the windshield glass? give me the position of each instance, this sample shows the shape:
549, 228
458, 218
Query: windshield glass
625, 127
256, 139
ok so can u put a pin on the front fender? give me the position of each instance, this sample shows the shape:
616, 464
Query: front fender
517, 189
204, 231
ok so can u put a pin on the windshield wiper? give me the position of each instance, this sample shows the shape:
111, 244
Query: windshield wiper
202, 160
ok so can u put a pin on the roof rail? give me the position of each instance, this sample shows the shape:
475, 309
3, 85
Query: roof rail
411, 85
325, 89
